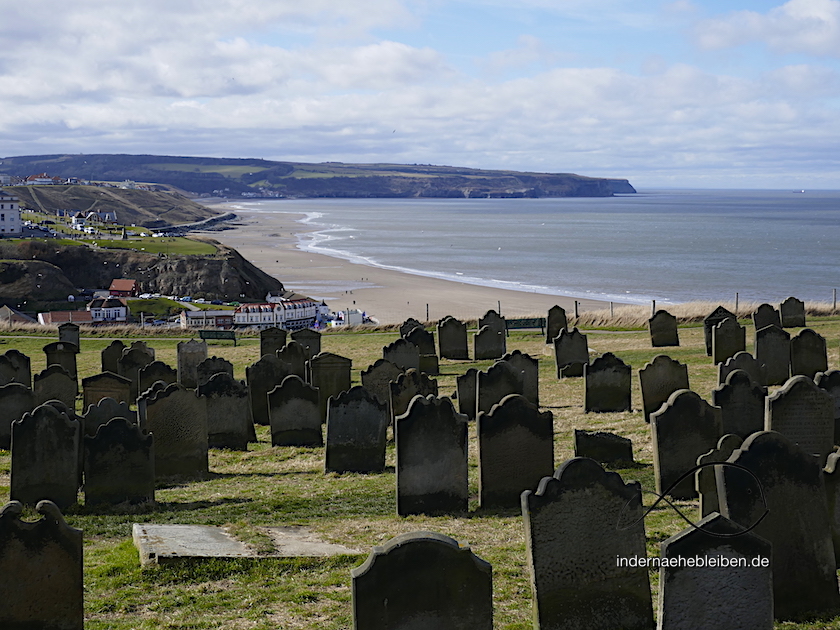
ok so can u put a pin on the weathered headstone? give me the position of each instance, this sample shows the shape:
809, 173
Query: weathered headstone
110, 356
710, 321
804, 414
603, 447
45, 458
15, 367
330, 373
294, 414
102, 412
54, 383
499, 380
429, 364
119, 464
177, 418
555, 322
423, 580
155, 371
136, 356
742, 361
515, 450
377, 378
15, 400
62, 353
408, 325
728, 339
663, 330
571, 353
608, 383
489, 344
40, 570
831, 476
406, 386
229, 422
210, 366
422, 338
792, 313
728, 592
704, 478
765, 315
309, 339
452, 339
574, 550
659, 379
190, 354
105, 385
466, 388
493, 320
683, 429
357, 424
271, 340
402, 353
432, 473
772, 351
262, 376
69, 332
143, 398
294, 355
830, 382
789, 486
741, 404
528, 369
808, 354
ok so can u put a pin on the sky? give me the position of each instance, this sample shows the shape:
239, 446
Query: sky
686, 94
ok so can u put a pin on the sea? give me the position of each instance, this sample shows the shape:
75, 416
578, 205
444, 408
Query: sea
665, 245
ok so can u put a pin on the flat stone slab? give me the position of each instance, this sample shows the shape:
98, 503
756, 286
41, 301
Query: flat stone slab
160, 544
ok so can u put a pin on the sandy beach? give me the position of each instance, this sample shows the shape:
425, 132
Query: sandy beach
270, 242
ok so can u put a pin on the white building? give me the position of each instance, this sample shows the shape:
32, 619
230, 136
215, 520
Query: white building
108, 310
287, 310
10, 224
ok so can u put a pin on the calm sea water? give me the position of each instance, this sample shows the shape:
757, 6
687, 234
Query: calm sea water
671, 246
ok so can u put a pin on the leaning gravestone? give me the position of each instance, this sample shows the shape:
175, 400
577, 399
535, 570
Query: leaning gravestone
69, 332
105, 385
15, 400
765, 315
357, 424
408, 325
64, 354
210, 366
728, 339
571, 353
422, 338
262, 376
309, 339
377, 380
808, 354
119, 464
515, 450
177, 417
40, 570
110, 356
294, 414
405, 387
704, 479
153, 372
330, 373
793, 313
528, 369
271, 340
710, 321
45, 458
604, 448
608, 384
489, 344
54, 383
659, 379
133, 358
493, 320
574, 546
501, 379
294, 355
683, 429
804, 571
804, 414
663, 330
732, 593
741, 405
229, 422
432, 472
105, 410
423, 580
830, 382
742, 361
190, 354
452, 339
15, 368
772, 351
402, 353
555, 322
465, 386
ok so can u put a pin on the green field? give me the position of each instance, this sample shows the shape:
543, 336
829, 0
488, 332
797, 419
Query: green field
174, 245
268, 486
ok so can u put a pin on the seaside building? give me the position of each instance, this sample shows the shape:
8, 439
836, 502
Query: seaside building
60, 317
10, 224
209, 318
124, 287
282, 309
108, 310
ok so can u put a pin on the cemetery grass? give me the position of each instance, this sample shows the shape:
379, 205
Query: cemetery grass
268, 486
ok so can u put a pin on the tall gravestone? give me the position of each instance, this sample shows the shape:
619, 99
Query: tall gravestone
190, 354
136, 356
728, 339
804, 571
804, 414
105, 385
765, 315
741, 404
704, 479
683, 429
62, 353
15, 400
732, 593
405, 387
465, 386
772, 351
663, 330
423, 339
153, 372
110, 356
423, 580
432, 473
119, 464
489, 343
528, 369
659, 379
105, 410
40, 570
408, 325
330, 373
229, 422
499, 380
808, 354
54, 383
494, 321
452, 339
830, 382
45, 458
710, 321
294, 413
515, 450
144, 398
294, 355
792, 312
402, 353
69, 332
210, 366
262, 376
555, 322
742, 361
177, 417
271, 340
15, 367
377, 380
608, 385
310, 340
574, 546
357, 424
571, 353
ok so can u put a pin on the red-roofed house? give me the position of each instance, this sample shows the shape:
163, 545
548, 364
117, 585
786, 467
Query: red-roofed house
124, 287
60, 317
